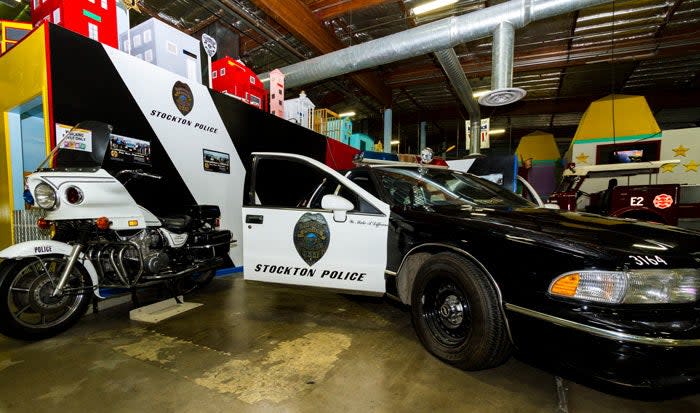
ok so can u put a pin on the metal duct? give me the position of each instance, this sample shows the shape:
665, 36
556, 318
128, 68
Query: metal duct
453, 69
502, 90
428, 38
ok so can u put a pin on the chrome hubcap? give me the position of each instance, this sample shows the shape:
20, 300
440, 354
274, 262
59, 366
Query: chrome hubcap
452, 311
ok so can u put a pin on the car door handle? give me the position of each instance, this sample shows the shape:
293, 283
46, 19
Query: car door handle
253, 219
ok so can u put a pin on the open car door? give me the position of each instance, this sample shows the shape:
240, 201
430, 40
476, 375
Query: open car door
306, 224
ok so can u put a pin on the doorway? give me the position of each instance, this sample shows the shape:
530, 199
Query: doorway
27, 144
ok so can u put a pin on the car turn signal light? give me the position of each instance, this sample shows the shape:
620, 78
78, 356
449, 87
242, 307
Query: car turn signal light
102, 223
566, 285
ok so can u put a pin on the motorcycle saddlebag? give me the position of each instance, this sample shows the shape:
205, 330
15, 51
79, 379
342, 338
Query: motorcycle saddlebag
204, 211
204, 214
210, 244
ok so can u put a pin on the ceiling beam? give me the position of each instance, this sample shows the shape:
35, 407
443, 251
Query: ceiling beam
328, 9
298, 19
669, 15
679, 45
146, 9
204, 23
676, 99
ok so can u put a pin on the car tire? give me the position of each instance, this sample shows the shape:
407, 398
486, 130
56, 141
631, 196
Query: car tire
456, 313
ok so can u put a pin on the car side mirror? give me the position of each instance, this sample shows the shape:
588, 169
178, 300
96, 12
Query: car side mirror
339, 205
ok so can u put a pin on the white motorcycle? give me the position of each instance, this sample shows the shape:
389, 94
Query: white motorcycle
102, 240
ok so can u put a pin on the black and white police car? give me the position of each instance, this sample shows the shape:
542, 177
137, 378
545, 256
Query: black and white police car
484, 271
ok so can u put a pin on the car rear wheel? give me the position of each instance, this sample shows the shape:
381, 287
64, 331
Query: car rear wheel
456, 313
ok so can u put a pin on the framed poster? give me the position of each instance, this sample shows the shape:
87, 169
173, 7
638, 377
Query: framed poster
214, 161
125, 149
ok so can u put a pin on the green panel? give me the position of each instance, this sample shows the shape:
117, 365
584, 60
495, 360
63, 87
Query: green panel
620, 138
92, 15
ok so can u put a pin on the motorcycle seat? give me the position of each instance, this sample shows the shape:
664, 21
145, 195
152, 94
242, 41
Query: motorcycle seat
177, 223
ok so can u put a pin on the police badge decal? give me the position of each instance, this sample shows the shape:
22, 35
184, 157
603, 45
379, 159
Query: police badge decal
183, 98
311, 237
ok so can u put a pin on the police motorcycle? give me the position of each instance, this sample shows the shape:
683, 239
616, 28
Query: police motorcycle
102, 239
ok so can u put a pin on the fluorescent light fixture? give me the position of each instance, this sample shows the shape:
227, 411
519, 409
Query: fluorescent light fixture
481, 93
432, 5
346, 114
394, 142
496, 131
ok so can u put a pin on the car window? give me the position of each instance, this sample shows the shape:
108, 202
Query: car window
435, 187
290, 183
285, 183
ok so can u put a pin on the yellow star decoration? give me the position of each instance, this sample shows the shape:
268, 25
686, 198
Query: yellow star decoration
681, 151
691, 166
668, 167
132, 5
582, 158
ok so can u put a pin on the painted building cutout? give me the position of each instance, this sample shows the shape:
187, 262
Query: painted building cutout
277, 93
96, 19
633, 135
539, 160
164, 46
232, 77
300, 110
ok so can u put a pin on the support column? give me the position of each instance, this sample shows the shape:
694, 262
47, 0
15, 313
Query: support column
422, 135
475, 137
387, 130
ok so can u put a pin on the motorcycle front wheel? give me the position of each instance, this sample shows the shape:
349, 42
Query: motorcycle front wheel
28, 311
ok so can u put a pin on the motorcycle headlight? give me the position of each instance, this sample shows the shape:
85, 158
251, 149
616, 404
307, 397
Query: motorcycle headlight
660, 286
45, 196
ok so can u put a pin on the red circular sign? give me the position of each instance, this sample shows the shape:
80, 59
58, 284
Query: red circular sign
663, 201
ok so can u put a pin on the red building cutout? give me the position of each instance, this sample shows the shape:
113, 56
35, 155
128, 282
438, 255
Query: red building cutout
96, 19
232, 77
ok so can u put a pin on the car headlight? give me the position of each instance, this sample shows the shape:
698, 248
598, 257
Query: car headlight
45, 196
660, 286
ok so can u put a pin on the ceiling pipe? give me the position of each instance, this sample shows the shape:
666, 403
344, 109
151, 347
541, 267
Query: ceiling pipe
428, 38
502, 90
453, 70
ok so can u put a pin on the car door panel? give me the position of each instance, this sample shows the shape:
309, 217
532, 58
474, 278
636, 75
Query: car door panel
306, 246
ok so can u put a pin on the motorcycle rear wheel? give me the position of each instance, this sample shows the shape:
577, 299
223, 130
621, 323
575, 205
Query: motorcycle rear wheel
27, 309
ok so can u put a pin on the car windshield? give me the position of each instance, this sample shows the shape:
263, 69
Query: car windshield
82, 147
434, 187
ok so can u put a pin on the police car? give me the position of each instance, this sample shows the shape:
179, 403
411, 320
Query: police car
484, 271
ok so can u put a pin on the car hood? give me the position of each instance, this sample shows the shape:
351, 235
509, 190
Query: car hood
582, 230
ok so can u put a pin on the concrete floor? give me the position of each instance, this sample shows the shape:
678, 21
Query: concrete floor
255, 347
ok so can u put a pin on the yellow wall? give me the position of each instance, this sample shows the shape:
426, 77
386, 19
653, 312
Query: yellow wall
23, 76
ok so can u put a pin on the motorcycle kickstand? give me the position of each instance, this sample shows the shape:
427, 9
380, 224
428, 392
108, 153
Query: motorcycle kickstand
172, 288
135, 299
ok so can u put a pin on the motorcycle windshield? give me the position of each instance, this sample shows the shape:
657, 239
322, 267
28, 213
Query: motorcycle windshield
82, 148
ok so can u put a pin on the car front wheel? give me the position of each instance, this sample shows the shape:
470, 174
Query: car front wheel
456, 313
